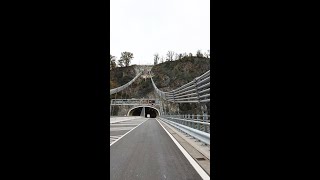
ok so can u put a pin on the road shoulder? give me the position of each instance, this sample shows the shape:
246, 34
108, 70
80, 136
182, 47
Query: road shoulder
198, 152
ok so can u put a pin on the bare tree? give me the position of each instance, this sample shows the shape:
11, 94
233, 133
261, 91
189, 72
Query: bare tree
176, 56
199, 54
185, 55
170, 55
180, 56
156, 59
162, 58
207, 54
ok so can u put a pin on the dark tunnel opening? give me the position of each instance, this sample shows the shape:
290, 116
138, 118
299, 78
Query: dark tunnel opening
137, 111
151, 111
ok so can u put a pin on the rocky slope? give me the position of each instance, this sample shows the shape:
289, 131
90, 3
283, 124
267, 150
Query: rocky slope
167, 76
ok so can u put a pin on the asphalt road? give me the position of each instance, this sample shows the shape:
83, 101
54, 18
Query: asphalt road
119, 128
146, 153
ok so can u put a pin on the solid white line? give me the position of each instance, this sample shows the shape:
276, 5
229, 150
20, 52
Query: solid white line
129, 122
116, 136
114, 125
120, 128
195, 165
122, 120
127, 133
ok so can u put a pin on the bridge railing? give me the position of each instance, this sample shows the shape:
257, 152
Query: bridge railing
197, 126
196, 91
118, 89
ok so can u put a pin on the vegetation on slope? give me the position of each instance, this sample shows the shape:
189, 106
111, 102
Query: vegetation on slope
173, 74
167, 76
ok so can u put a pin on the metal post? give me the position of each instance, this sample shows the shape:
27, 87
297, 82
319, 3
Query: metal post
205, 120
193, 124
198, 119
203, 110
110, 106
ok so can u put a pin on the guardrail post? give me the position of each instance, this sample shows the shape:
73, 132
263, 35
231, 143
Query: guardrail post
187, 123
192, 123
199, 120
205, 120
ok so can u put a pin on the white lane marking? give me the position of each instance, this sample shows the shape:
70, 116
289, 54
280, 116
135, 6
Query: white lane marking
120, 128
120, 124
116, 136
127, 132
195, 165
122, 119
131, 122
114, 125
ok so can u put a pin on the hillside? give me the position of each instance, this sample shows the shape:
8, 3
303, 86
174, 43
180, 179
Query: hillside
167, 76
173, 74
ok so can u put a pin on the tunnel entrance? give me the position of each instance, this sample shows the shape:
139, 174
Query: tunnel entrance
153, 112
137, 111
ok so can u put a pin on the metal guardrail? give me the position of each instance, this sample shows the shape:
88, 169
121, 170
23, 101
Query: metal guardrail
118, 89
199, 122
200, 135
134, 102
196, 91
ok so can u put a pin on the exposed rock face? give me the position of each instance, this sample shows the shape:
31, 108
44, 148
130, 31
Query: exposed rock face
173, 74
167, 76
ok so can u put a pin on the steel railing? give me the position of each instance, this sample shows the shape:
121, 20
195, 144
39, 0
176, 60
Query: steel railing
190, 127
118, 89
199, 122
196, 91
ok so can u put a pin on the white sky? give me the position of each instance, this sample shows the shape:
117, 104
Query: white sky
146, 27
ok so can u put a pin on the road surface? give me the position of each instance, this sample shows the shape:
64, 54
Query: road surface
147, 152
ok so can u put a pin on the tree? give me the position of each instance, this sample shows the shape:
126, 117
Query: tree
184, 55
113, 64
170, 56
207, 54
156, 59
199, 54
190, 55
162, 59
176, 56
126, 58
180, 56
120, 63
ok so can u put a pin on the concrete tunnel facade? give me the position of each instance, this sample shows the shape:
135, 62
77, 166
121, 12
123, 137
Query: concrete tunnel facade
136, 111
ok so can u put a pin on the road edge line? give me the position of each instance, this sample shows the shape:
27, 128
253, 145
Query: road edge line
127, 133
194, 164
123, 120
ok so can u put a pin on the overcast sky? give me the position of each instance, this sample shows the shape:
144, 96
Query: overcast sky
146, 27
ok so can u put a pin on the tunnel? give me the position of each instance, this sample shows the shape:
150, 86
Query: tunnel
148, 110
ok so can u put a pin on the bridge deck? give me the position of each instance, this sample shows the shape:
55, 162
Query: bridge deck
147, 152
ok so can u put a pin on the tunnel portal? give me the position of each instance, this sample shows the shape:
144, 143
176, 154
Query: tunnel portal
148, 110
